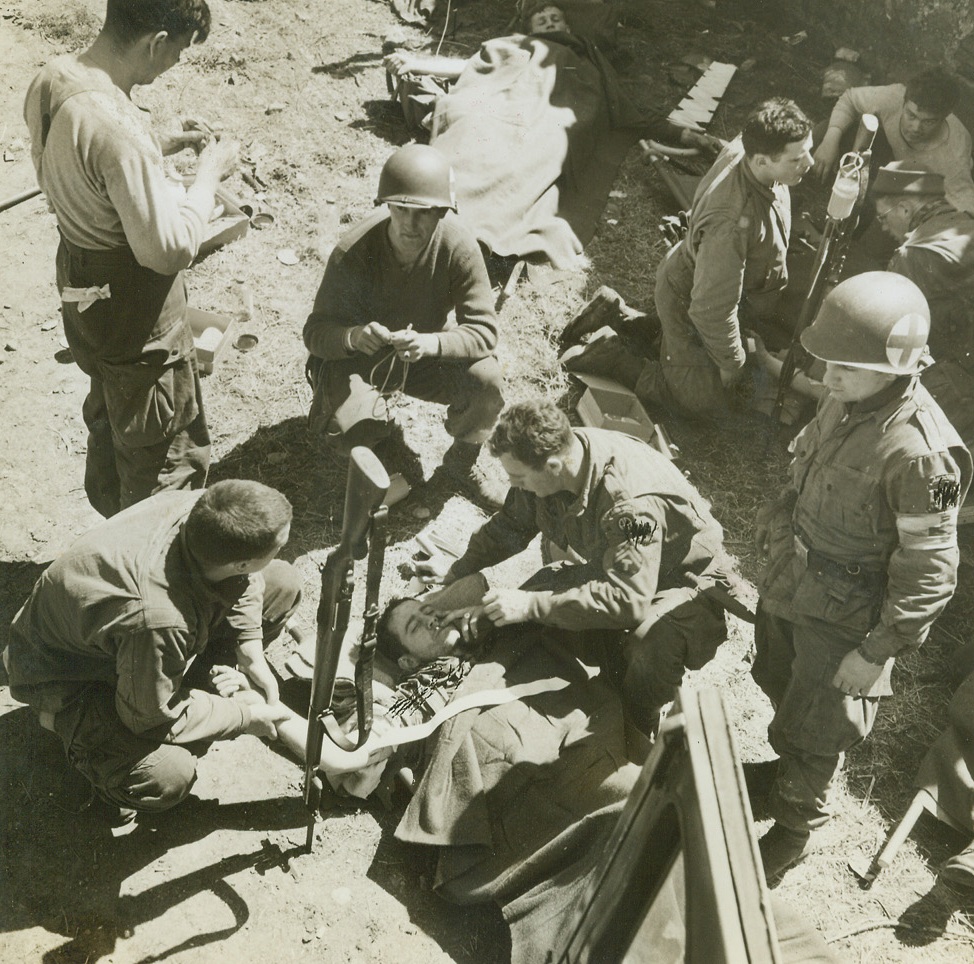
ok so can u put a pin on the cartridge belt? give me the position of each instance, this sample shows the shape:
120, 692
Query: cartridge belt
821, 564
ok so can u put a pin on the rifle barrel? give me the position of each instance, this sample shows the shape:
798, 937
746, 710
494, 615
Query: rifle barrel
365, 489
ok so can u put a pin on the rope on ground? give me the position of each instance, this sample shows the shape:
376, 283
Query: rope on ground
874, 925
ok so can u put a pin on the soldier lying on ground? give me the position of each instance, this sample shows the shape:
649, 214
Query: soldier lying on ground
535, 127
644, 566
518, 798
113, 647
405, 304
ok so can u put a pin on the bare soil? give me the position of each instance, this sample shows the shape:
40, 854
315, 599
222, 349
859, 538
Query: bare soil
225, 876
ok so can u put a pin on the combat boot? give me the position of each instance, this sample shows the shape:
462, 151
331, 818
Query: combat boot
605, 309
607, 356
781, 849
759, 778
959, 870
461, 470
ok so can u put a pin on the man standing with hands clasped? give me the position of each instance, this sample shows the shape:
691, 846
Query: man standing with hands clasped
862, 546
127, 233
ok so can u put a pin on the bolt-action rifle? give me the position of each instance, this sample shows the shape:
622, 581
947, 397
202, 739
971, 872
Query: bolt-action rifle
363, 533
848, 192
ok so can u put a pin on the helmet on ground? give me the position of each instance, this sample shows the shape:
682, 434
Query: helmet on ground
417, 176
878, 320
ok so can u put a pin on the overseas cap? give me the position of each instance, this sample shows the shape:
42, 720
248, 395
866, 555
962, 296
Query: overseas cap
907, 177
877, 320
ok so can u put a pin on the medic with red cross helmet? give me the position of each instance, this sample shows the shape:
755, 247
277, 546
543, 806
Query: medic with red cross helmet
861, 546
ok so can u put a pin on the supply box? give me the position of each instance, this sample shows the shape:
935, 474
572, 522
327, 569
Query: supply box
211, 335
607, 404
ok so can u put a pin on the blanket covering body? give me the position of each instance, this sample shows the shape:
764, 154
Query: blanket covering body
535, 129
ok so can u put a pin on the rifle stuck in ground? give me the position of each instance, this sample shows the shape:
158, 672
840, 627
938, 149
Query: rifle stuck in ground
848, 193
363, 533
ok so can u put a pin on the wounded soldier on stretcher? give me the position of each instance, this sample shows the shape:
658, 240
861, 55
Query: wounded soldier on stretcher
520, 791
535, 126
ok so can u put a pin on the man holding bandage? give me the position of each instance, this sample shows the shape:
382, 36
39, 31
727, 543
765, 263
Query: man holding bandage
405, 304
862, 545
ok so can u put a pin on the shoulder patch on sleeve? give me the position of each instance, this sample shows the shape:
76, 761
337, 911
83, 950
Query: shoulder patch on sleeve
944, 493
637, 532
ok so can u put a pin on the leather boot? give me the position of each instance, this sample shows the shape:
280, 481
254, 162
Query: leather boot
608, 357
959, 870
781, 849
461, 469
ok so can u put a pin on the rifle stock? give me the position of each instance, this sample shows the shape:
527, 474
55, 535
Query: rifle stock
829, 259
365, 489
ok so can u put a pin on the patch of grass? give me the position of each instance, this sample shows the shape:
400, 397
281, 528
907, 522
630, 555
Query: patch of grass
72, 30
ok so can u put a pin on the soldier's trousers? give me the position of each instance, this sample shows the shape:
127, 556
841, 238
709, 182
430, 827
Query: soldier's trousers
350, 406
646, 664
139, 772
814, 722
684, 380
144, 410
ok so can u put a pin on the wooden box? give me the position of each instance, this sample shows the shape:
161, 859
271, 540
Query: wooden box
211, 335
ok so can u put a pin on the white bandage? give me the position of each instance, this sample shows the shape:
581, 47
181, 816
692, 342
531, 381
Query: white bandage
930, 531
86, 297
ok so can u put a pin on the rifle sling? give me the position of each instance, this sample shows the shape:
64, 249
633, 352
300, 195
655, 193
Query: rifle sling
366, 659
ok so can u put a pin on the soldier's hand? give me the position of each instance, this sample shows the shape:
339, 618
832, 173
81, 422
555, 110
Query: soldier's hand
228, 680
856, 675
825, 158
434, 570
194, 137
465, 621
701, 141
264, 718
370, 338
412, 345
505, 606
219, 158
400, 63
730, 376
762, 529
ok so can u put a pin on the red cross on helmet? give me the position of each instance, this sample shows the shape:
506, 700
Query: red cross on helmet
417, 176
877, 320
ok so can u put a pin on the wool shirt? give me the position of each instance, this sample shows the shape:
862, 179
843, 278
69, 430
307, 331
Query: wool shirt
101, 168
446, 291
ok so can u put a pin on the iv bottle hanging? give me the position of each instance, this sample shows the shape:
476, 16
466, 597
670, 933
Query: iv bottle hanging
845, 190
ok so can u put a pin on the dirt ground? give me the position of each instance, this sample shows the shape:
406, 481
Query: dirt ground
224, 876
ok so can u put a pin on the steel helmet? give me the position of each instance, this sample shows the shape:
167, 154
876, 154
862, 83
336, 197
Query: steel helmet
417, 176
878, 320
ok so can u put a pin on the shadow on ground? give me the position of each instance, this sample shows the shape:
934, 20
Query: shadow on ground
69, 880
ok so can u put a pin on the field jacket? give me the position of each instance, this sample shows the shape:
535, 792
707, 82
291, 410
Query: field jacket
865, 536
736, 245
128, 605
638, 524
